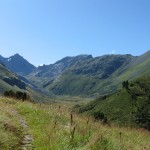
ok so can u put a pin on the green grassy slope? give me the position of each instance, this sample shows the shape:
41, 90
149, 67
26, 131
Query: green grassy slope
140, 66
122, 107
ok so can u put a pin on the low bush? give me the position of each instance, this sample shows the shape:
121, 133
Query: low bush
17, 95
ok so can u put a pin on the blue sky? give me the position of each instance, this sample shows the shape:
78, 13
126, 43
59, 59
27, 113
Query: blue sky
44, 31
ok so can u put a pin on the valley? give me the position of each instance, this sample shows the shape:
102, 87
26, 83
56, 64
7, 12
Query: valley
78, 103
74, 75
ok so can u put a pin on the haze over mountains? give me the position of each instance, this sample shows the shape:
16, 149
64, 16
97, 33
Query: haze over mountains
82, 75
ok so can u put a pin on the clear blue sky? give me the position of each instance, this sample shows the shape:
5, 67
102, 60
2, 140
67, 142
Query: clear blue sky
44, 31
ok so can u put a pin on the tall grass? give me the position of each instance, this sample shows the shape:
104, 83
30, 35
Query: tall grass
10, 129
55, 127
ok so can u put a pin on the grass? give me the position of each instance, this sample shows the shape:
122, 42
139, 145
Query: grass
10, 130
52, 128
55, 127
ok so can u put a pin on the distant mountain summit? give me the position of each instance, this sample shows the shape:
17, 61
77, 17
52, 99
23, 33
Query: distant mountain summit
17, 64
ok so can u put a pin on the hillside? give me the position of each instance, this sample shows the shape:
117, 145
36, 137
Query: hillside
129, 106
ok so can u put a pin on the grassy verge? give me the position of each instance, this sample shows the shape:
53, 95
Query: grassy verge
10, 130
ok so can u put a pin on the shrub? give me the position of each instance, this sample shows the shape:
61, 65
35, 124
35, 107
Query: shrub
125, 84
142, 114
100, 116
17, 95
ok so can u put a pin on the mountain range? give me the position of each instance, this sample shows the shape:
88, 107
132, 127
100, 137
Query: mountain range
82, 75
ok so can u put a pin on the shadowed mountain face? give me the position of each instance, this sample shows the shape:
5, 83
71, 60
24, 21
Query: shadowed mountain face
17, 64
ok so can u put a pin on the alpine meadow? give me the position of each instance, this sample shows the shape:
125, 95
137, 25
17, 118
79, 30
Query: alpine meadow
74, 75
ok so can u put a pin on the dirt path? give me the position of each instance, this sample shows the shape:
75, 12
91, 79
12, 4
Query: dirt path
26, 143
27, 139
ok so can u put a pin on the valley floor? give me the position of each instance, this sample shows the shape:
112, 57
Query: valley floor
55, 127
